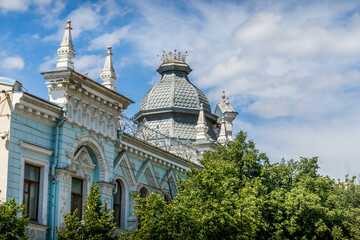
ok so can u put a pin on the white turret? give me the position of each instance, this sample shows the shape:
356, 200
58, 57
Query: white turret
223, 139
201, 127
226, 111
108, 75
66, 51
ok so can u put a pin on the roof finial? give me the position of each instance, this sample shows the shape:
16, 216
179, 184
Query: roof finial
223, 96
174, 56
201, 127
223, 138
108, 75
66, 51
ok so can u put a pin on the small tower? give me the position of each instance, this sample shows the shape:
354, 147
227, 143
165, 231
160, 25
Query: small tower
223, 138
108, 75
201, 127
225, 110
66, 51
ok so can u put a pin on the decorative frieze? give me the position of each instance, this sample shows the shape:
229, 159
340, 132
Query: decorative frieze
64, 175
36, 109
106, 188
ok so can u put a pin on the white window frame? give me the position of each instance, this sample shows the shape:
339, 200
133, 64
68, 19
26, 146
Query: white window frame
43, 185
124, 201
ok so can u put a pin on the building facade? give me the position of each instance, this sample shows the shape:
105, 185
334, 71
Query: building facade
53, 150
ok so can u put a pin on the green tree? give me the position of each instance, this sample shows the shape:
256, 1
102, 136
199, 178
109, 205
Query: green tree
240, 195
12, 221
97, 221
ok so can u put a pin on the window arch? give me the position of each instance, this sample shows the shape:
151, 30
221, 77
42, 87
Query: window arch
143, 194
119, 203
78, 116
70, 112
112, 130
96, 123
103, 127
87, 120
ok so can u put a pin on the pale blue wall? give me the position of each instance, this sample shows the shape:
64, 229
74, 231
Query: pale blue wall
24, 129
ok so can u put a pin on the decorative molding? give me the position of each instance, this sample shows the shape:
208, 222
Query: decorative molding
69, 79
145, 150
64, 198
36, 149
88, 115
106, 188
99, 151
44, 184
36, 231
63, 175
126, 168
35, 108
148, 170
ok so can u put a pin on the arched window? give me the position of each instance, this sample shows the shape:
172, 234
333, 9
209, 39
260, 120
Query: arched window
78, 119
70, 111
118, 204
143, 194
87, 120
103, 127
111, 130
96, 124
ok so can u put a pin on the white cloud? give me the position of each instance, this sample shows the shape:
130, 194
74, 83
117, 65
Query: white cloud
90, 64
109, 39
85, 18
22, 5
290, 67
332, 141
7, 80
12, 63
48, 64
42, 2
14, 5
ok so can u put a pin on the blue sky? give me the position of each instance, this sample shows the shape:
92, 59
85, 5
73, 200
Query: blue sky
290, 68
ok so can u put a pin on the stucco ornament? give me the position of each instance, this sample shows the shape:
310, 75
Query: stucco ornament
80, 159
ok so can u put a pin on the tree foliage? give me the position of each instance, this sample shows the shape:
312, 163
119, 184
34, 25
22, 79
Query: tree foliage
240, 195
97, 221
12, 221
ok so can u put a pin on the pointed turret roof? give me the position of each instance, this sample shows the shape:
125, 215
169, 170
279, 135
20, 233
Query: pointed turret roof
222, 139
201, 127
108, 75
66, 51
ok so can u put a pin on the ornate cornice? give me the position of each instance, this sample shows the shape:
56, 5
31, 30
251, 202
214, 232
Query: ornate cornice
81, 81
36, 108
148, 151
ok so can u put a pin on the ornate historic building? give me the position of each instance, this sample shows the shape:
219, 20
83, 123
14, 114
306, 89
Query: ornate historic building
53, 150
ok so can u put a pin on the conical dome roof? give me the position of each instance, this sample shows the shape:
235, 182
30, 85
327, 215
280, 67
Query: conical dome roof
174, 91
172, 106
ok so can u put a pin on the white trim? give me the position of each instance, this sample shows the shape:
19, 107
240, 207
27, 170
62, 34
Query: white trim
124, 201
43, 186
36, 149
153, 156
36, 231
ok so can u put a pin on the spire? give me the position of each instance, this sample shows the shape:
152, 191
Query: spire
66, 51
223, 139
108, 75
201, 127
223, 96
